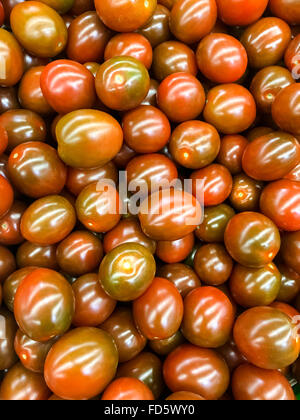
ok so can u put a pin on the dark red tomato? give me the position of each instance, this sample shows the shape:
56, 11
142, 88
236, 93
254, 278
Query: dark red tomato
181, 371
231, 354
245, 194
182, 276
3, 140
80, 253
266, 337
191, 20
97, 208
290, 284
271, 157
7, 263
222, 58
183, 395
146, 129
157, 29
181, 97
250, 383
292, 55
12, 59
173, 57
61, 6
230, 108
125, 16
255, 287
289, 100
36, 170
30, 93
63, 79
87, 38
54, 316
81, 6
32, 354
132, 45
29, 254
289, 310
10, 233
79, 147
93, 67
33, 61
166, 346
217, 184
167, 3
48, 220
241, 12
266, 85
208, 317
266, 41
158, 312
231, 153
170, 215
287, 10
152, 93
12, 283
39, 29
127, 389
78, 179
290, 250
280, 201
8, 99
8, 356
2, 14
21, 384
172, 252
216, 219
92, 305
68, 371
7, 196
22, 126
257, 132
194, 144
258, 245
213, 264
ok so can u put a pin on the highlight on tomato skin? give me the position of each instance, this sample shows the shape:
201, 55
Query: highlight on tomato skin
149, 201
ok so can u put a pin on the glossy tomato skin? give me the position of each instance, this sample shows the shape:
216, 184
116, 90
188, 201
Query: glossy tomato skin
257, 132
12, 283
222, 58
132, 45
266, 85
292, 54
67, 372
194, 144
127, 389
183, 395
92, 305
8, 356
127, 271
149, 310
181, 97
13, 59
127, 16
252, 287
29, 254
42, 323
7, 196
2, 14
231, 354
146, 129
241, 12
147, 368
217, 184
37, 224
87, 38
172, 252
7, 263
286, 10
122, 83
3, 140
127, 231
36, 170
191, 20
26, 21
246, 193
98, 209
251, 383
172, 215
259, 243
213, 264
288, 99
81, 6
79, 147
152, 93
180, 372
208, 317
21, 384
10, 233
290, 250
182, 276
266, 41
231, 152
8, 99
230, 108
216, 219
280, 201
129, 340
290, 284
166, 346
265, 336
173, 57
157, 29
30, 93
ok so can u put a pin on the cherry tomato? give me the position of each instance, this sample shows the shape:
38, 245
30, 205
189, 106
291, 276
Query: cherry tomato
246, 193
216, 219
241, 12
231, 153
157, 29
13, 59
2, 14
291, 57
12, 283
8, 356
288, 99
82, 6
287, 10
7, 196
10, 233
231, 354
290, 250
166, 346
8, 99
127, 389
29, 254
290, 284
172, 252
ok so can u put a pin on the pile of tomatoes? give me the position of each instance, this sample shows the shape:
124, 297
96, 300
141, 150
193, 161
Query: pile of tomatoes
96, 304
